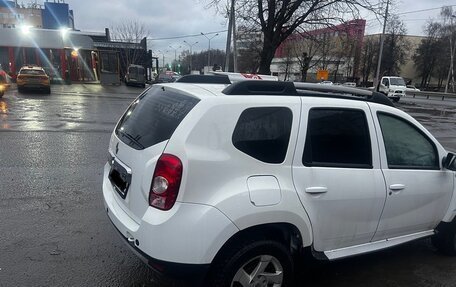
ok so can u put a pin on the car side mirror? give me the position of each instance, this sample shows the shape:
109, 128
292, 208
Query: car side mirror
449, 162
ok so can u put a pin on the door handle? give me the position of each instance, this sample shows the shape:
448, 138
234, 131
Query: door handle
316, 189
397, 187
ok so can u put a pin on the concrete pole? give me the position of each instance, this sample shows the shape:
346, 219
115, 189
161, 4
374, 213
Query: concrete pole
380, 54
228, 39
233, 13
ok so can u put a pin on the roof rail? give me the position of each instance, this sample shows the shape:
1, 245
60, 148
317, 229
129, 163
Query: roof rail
271, 88
341, 92
332, 88
205, 79
375, 97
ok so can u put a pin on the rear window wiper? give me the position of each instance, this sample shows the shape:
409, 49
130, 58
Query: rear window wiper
131, 138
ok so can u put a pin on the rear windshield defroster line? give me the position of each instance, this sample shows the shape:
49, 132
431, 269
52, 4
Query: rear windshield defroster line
153, 117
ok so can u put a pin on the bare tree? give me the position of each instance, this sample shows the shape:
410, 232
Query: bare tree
449, 30
428, 53
305, 52
279, 19
369, 53
132, 36
395, 46
287, 63
249, 48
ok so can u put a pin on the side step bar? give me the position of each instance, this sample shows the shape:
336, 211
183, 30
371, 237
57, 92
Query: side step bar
372, 246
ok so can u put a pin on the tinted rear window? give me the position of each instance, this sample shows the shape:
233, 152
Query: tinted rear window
337, 138
153, 117
264, 133
32, 72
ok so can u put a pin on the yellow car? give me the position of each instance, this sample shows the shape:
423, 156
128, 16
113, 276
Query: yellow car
4, 85
33, 77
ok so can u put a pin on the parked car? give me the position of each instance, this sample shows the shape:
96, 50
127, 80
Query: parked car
167, 77
350, 84
410, 88
136, 76
4, 82
33, 78
231, 183
326, 83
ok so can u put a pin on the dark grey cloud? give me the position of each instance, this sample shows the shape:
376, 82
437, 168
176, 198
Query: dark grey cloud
168, 18
163, 19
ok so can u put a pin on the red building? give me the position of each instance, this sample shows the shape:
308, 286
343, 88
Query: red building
353, 30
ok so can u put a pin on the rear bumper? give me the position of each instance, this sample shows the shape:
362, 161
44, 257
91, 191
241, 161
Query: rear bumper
197, 272
34, 86
188, 236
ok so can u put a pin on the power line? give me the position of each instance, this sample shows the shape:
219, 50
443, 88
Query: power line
416, 11
425, 10
186, 36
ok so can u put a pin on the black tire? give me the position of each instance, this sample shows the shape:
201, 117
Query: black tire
247, 255
396, 100
1, 94
445, 239
48, 91
20, 89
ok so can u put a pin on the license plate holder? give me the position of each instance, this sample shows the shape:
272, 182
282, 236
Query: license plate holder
120, 177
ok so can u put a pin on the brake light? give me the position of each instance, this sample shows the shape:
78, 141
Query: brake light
165, 182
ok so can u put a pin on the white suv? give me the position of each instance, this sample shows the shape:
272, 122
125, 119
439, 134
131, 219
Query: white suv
230, 182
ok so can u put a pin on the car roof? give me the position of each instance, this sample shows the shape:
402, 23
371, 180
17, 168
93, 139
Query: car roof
196, 90
273, 88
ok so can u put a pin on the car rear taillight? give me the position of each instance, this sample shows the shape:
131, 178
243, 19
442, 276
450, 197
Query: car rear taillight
165, 182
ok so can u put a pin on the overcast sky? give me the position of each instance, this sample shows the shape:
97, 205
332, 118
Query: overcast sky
170, 18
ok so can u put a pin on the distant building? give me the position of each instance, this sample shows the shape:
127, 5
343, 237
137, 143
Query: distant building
75, 56
50, 15
57, 14
335, 49
13, 15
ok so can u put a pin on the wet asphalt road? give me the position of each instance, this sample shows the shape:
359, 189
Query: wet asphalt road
53, 228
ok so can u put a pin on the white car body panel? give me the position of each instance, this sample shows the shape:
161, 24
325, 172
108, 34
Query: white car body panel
206, 144
348, 212
426, 196
189, 233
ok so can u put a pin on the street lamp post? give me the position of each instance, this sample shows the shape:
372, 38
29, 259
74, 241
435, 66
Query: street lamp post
191, 53
163, 58
175, 55
209, 49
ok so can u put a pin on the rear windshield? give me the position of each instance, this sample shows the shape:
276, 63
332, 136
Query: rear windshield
135, 70
32, 72
153, 117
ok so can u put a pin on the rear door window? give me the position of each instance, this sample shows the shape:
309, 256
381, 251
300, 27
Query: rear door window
337, 138
153, 117
264, 133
